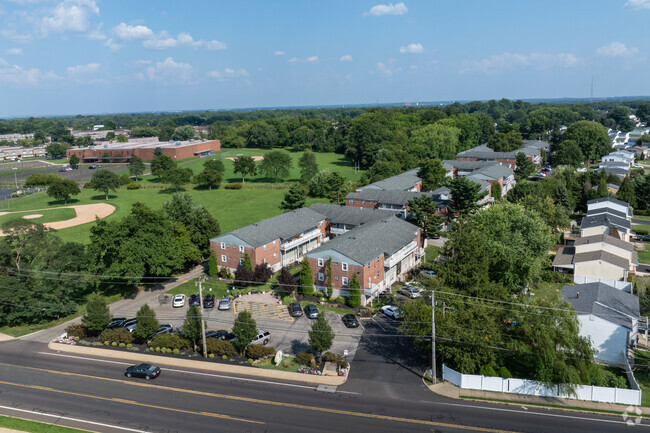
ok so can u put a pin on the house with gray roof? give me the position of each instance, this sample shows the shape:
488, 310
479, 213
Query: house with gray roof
612, 203
485, 153
608, 318
606, 223
601, 264
342, 219
378, 253
487, 171
395, 201
407, 181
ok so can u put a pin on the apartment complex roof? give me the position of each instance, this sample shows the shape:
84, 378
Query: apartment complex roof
350, 215
604, 301
402, 182
400, 198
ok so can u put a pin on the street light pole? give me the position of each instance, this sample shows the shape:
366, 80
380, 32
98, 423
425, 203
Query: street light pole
205, 348
16, 176
433, 337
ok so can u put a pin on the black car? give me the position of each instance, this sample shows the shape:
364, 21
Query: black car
164, 329
350, 321
295, 310
195, 300
116, 322
147, 371
208, 301
311, 311
644, 238
130, 324
221, 334
92, 167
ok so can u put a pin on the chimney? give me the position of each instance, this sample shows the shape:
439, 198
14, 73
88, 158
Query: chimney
577, 295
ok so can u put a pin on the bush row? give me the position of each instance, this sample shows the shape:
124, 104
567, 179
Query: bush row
257, 351
220, 348
171, 341
119, 335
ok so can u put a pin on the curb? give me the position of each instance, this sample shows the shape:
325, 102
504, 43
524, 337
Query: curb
213, 367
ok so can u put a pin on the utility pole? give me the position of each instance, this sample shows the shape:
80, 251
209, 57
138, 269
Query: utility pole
433, 337
205, 348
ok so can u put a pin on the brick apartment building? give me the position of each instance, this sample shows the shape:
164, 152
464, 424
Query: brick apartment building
176, 150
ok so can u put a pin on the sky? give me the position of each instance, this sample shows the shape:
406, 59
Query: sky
68, 57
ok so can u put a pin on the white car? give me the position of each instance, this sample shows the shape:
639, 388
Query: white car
392, 311
179, 301
410, 291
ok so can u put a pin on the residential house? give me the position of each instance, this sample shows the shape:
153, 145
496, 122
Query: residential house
611, 203
407, 181
484, 153
341, 219
607, 316
610, 244
396, 201
488, 171
606, 223
619, 156
379, 253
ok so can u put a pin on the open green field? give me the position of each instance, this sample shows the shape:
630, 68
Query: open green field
232, 208
50, 215
641, 229
35, 427
644, 256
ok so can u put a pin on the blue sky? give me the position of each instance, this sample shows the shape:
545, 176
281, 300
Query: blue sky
106, 56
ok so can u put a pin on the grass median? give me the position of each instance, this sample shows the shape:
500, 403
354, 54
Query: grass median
35, 427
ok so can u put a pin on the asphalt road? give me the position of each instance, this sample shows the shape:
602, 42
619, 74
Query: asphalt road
640, 221
383, 394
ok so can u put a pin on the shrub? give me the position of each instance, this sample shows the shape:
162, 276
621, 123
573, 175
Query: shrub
76, 339
171, 341
119, 335
135, 348
220, 347
98, 343
312, 363
114, 343
122, 345
88, 185
504, 373
211, 355
76, 330
133, 185
286, 300
106, 342
304, 358
176, 351
157, 349
257, 351
128, 346
286, 364
250, 361
125, 180
224, 357
233, 186
487, 370
340, 300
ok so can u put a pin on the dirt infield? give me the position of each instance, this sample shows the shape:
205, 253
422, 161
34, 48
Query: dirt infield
255, 158
86, 213
33, 216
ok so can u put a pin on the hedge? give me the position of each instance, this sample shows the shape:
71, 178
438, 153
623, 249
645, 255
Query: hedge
220, 347
257, 351
119, 335
171, 341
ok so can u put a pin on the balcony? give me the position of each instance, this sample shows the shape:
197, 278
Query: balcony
400, 255
303, 238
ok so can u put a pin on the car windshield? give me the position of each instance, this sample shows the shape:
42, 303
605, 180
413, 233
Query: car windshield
151, 368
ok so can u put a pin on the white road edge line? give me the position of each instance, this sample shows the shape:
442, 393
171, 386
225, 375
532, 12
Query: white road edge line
268, 382
67, 418
533, 413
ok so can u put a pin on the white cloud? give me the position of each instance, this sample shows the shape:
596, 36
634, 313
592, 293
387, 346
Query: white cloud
279, 53
412, 48
616, 49
346, 58
96, 34
171, 72
504, 61
69, 16
385, 71
15, 36
164, 40
14, 74
126, 32
292, 60
83, 69
14, 51
228, 73
213, 45
638, 4
113, 46
389, 9
312, 59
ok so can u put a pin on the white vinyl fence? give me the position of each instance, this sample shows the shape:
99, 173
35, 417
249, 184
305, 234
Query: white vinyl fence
531, 387
620, 285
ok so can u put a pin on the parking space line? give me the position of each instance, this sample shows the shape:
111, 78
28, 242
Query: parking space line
382, 328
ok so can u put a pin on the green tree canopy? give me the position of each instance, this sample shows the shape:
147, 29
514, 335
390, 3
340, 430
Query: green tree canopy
568, 152
97, 315
74, 160
591, 137
627, 192
354, 294
525, 166
201, 225
184, 133
63, 189
244, 165
435, 141
432, 173
464, 196
306, 279
177, 176
244, 329
308, 166
293, 199
192, 325
136, 166
56, 150
276, 164
104, 180
214, 164
321, 335
422, 213
161, 164
262, 135
209, 177
147, 323
506, 142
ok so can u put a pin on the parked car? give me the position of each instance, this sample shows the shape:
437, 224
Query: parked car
224, 304
392, 311
644, 238
350, 321
116, 322
130, 324
295, 310
263, 337
147, 371
92, 167
410, 291
164, 329
195, 300
64, 169
178, 301
221, 334
311, 311
427, 273
208, 301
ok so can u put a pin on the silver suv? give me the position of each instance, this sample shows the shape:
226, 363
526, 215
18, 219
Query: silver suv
263, 337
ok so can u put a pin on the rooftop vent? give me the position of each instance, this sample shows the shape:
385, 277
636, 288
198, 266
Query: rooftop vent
178, 143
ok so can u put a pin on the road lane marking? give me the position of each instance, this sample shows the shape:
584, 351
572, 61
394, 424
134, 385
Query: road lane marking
67, 418
242, 399
131, 402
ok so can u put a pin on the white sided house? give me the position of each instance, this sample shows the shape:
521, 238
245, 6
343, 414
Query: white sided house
611, 203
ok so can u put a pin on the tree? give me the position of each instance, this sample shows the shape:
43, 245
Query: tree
337, 188
381, 170
122, 138
308, 166
244, 330
602, 190
177, 176
525, 166
294, 198
136, 166
243, 275
63, 189
184, 133
161, 164
567, 153
110, 135
56, 150
496, 191
591, 137
306, 279
74, 160
192, 325
435, 141
201, 225
97, 315
328, 275
247, 262
506, 142
422, 213
104, 181
262, 135
286, 282
208, 177
244, 165
147, 323
262, 273
321, 335
276, 164
562, 197
432, 174
214, 164
354, 293
213, 265
627, 193
643, 112
464, 196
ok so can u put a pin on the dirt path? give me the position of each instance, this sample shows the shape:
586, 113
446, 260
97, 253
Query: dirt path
255, 158
86, 213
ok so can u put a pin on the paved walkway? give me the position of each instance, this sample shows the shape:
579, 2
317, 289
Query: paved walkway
263, 311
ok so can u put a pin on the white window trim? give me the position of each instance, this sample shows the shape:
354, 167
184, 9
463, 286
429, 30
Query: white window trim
344, 266
344, 281
241, 248
321, 276
320, 262
223, 245
224, 258
241, 261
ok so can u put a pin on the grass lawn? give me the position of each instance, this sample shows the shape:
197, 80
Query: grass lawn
220, 288
644, 256
642, 217
640, 229
431, 253
642, 376
268, 363
35, 427
48, 215
546, 289
232, 208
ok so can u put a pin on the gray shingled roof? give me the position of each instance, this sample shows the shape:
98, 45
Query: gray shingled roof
350, 215
282, 226
484, 152
366, 243
603, 301
539, 144
602, 255
604, 219
465, 165
620, 172
564, 257
613, 164
607, 239
607, 200
387, 197
496, 171
606, 210
401, 182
